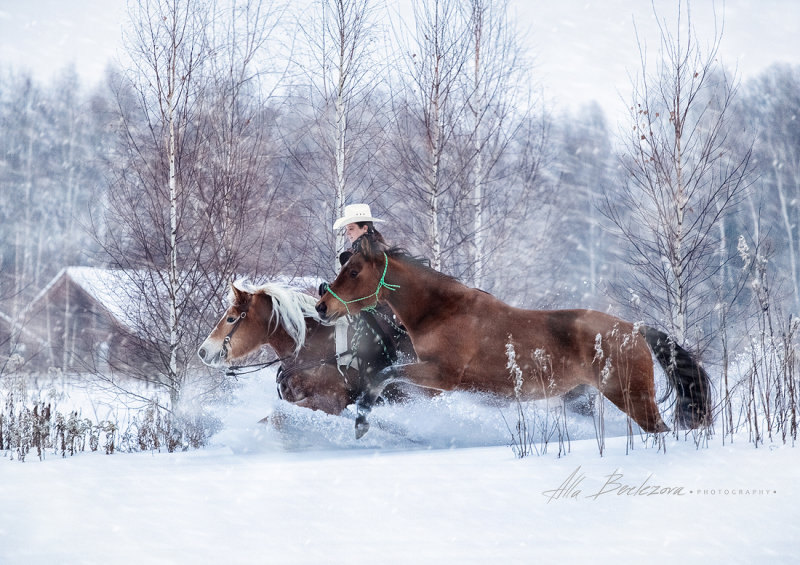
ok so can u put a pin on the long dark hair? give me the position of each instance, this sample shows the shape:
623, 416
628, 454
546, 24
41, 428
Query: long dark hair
371, 231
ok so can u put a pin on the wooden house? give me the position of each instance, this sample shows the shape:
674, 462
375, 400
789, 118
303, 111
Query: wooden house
83, 319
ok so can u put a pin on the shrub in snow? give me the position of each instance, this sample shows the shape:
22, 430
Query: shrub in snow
546, 425
38, 425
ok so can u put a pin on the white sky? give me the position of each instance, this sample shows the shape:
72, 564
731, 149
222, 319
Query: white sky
587, 49
47, 35
582, 49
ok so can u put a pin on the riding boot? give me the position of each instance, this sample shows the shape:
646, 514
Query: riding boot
362, 425
363, 408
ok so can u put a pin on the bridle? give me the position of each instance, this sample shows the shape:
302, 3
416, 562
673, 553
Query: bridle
227, 341
381, 284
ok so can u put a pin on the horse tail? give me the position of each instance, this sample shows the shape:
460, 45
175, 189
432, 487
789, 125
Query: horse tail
685, 375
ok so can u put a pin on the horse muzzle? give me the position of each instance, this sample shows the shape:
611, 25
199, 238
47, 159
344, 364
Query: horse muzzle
322, 309
326, 314
212, 357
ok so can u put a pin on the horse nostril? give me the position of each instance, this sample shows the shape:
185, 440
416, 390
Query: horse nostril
322, 308
202, 353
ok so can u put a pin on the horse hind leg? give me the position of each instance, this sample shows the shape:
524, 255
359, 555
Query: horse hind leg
636, 397
640, 407
580, 400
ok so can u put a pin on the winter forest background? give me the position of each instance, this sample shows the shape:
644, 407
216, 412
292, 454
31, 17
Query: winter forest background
231, 135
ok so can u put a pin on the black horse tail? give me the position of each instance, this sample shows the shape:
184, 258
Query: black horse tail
685, 375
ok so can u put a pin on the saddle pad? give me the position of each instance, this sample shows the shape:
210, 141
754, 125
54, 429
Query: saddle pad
342, 342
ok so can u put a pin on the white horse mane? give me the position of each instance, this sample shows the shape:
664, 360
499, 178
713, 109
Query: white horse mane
290, 307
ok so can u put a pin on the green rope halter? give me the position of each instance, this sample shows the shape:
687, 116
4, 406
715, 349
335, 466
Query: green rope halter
381, 284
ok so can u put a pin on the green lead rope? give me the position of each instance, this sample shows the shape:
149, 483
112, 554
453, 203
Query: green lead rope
381, 284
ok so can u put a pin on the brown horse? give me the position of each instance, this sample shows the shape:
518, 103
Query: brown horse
285, 320
467, 339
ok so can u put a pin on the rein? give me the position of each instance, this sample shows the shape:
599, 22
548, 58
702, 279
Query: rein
236, 370
381, 284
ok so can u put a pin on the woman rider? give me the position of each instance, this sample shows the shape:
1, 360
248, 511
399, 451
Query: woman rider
357, 221
376, 331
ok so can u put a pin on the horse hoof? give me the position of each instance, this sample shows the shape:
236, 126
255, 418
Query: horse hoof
362, 426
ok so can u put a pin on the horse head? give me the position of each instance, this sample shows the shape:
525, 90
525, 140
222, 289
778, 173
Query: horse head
236, 334
359, 283
257, 316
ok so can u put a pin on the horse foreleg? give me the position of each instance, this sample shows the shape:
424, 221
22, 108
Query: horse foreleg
424, 374
333, 405
369, 396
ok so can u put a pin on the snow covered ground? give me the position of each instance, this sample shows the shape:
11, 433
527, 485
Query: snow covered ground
432, 482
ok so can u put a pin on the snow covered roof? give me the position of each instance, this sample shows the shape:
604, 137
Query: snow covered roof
111, 289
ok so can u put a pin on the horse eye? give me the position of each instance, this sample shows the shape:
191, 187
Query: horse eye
231, 320
353, 274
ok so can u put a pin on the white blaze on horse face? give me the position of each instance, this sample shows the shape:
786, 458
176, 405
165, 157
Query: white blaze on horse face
212, 352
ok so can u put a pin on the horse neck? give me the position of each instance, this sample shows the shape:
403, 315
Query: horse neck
421, 292
284, 345
318, 338
279, 340
276, 337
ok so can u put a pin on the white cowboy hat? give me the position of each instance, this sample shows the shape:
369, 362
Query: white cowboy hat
354, 213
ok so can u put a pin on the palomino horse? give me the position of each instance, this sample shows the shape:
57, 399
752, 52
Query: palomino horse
285, 319
467, 339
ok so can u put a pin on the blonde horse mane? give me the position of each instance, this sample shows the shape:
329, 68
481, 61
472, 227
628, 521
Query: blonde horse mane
290, 307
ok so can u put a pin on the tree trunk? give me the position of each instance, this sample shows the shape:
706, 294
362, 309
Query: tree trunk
173, 239
478, 106
340, 133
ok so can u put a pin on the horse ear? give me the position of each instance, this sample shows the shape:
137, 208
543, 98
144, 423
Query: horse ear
344, 256
240, 297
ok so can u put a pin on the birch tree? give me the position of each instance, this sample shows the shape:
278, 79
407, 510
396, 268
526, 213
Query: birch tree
343, 75
189, 173
495, 80
429, 111
680, 177
190, 159
149, 202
